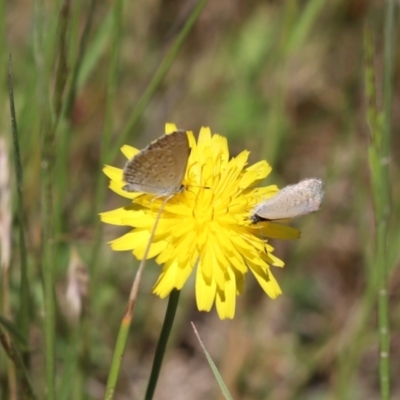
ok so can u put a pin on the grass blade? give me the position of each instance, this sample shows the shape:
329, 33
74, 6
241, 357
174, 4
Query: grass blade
213, 367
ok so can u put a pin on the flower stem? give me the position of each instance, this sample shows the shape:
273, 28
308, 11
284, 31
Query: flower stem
162, 343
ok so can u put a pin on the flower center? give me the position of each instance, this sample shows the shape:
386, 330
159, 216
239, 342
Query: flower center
203, 215
203, 211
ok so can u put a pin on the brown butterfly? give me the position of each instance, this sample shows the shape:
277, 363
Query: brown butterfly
160, 167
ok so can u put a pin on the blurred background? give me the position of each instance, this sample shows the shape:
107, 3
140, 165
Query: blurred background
283, 79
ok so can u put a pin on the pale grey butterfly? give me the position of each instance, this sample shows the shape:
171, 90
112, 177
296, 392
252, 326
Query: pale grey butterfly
292, 201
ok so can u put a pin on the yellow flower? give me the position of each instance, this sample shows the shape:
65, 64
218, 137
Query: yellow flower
207, 227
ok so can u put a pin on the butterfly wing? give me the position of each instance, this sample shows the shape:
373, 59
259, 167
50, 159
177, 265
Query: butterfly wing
292, 201
160, 167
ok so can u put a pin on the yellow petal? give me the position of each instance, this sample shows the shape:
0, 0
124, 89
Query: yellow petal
166, 281
205, 292
129, 151
266, 281
226, 301
114, 216
113, 173
170, 128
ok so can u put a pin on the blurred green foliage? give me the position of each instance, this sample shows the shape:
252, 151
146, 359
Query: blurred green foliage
284, 79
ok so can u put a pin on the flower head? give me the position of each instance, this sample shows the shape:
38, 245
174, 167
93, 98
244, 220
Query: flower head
207, 227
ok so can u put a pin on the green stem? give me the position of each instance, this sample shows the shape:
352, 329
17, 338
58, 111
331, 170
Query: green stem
383, 205
47, 134
117, 356
383, 310
107, 132
23, 317
379, 156
47, 215
388, 74
65, 97
62, 64
61, 76
158, 76
162, 343
71, 95
3, 45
